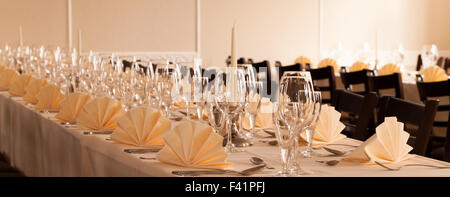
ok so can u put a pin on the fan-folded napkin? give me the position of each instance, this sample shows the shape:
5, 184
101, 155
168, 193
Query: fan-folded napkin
49, 97
71, 106
143, 127
100, 114
193, 144
388, 145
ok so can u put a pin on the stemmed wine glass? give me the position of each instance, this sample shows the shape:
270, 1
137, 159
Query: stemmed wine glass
215, 116
230, 98
311, 125
295, 109
430, 55
254, 89
284, 138
199, 84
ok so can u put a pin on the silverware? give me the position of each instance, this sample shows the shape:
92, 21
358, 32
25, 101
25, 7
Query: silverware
246, 172
259, 161
49, 111
108, 139
141, 150
335, 152
399, 167
97, 132
269, 132
148, 158
330, 162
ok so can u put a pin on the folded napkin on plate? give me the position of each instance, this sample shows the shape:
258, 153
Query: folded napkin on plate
388, 145
181, 103
193, 144
71, 106
49, 97
328, 127
303, 61
32, 89
264, 118
329, 62
7, 78
358, 66
434, 74
18, 86
389, 69
100, 114
143, 127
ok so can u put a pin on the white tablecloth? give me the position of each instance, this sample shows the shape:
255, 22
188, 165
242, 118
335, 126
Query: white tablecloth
40, 146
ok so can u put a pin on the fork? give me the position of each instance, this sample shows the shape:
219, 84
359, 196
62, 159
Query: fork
398, 168
246, 172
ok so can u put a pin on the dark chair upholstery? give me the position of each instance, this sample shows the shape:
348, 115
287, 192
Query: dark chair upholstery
411, 113
428, 90
447, 65
361, 107
419, 63
283, 69
440, 62
328, 74
393, 81
264, 74
357, 77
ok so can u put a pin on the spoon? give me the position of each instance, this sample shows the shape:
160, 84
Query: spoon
334, 151
330, 162
258, 161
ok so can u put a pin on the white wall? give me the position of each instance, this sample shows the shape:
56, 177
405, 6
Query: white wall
266, 29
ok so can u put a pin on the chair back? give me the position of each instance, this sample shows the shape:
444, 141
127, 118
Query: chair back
393, 81
321, 74
419, 63
357, 77
360, 108
407, 112
283, 69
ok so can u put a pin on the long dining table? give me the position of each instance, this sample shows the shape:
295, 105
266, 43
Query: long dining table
39, 145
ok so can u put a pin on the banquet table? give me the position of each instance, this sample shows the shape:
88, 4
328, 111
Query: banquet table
39, 145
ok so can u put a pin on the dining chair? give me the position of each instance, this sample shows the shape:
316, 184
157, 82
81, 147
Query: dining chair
447, 65
440, 61
277, 64
359, 124
419, 115
419, 63
325, 73
353, 78
264, 75
210, 73
439, 146
393, 81
283, 69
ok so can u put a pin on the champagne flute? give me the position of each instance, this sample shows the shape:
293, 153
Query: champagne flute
254, 89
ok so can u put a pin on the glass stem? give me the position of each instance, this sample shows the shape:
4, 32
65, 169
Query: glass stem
252, 122
229, 145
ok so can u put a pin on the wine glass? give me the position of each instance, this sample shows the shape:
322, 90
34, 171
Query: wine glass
429, 55
215, 116
285, 138
199, 85
311, 125
254, 89
295, 109
230, 97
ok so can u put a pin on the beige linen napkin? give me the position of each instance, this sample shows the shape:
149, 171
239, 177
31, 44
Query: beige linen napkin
193, 144
328, 127
32, 89
7, 78
49, 97
264, 118
19, 85
388, 145
142, 126
100, 114
434, 74
389, 69
329, 62
71, 106
358, 66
